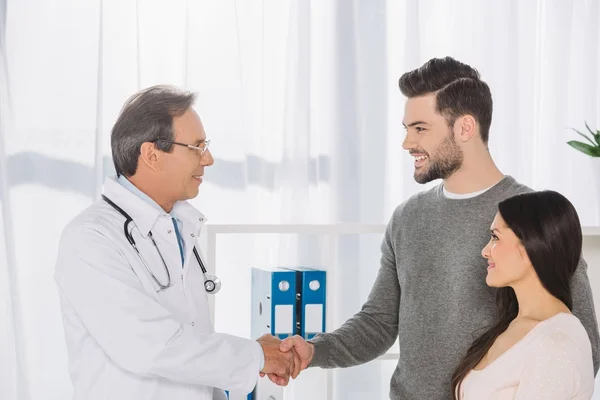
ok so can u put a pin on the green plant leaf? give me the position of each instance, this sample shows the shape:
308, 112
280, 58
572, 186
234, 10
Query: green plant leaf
588, 128
585, 148
585, 136
596, 135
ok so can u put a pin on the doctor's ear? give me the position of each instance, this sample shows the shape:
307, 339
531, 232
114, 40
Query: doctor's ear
150, 155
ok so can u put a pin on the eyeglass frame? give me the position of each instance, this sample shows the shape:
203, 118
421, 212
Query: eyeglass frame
201, 150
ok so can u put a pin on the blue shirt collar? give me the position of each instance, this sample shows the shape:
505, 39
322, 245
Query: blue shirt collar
181, 211
133, 189
126, 183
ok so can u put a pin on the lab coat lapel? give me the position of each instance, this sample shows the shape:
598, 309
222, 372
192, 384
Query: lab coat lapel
144, 216
193, 221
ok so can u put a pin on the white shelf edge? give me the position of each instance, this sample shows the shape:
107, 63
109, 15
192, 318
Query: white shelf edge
323, 229
591, 230
340, 229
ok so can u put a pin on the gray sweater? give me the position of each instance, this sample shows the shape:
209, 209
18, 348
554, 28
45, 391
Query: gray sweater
431, 293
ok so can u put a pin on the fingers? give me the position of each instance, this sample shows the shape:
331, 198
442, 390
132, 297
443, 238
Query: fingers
290, 342
294, 364
304, 349
286, 345
266, 338
297, 366
281, 364
277, 380
285, 366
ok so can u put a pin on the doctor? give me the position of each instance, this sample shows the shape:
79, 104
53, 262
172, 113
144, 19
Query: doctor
132, 284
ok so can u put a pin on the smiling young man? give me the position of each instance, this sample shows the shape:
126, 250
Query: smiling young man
430, 291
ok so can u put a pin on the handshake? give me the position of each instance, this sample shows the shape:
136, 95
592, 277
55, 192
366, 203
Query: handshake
285, 359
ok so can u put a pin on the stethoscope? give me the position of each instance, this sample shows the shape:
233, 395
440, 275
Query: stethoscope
212, 284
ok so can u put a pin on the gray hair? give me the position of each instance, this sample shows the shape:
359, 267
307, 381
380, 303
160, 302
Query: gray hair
147, 116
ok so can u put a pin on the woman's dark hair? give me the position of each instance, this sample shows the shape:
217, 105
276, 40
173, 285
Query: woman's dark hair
547, 225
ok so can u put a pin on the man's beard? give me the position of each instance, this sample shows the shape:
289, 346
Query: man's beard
448, 159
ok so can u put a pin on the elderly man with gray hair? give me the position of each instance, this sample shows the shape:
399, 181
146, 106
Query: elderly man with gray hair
132, 282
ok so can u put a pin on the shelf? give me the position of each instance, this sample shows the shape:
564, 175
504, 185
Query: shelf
324, 229
591, 230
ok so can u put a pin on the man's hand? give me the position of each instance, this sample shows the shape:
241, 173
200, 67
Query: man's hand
279, 366
304, 349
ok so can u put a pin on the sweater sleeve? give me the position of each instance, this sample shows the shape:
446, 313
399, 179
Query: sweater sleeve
374, 329
583, 308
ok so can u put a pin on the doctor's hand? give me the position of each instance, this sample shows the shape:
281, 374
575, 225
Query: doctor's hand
304, 349
279, 366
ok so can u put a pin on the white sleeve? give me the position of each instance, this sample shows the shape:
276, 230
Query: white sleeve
138, 333
554, 371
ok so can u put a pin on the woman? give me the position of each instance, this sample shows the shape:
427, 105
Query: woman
537, 348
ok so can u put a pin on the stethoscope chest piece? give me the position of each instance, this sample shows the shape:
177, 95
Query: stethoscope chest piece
212, 284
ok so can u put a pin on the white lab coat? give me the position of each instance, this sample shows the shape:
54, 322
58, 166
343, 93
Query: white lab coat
124, 339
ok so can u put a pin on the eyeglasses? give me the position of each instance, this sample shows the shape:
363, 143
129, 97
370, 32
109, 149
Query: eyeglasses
200, 150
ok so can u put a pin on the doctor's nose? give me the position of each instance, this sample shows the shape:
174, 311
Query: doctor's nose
207, 159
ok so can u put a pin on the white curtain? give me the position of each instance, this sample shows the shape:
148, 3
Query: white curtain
301, 102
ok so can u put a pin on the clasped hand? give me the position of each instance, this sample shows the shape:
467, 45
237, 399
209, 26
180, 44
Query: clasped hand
285, 359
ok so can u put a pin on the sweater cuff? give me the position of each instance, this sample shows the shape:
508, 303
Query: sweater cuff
321, 353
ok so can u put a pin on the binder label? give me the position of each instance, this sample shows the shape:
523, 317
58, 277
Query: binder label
313, 318
284, 319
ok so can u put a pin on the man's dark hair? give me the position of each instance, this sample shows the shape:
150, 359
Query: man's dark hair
458, 87
147, 116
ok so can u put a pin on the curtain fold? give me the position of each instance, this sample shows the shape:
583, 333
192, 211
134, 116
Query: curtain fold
13, 370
